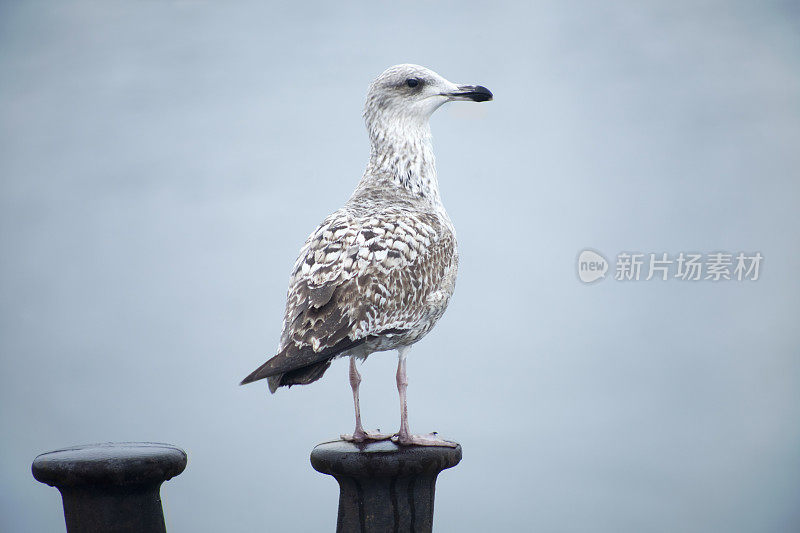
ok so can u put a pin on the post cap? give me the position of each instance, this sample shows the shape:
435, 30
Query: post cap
381, 459
112, 463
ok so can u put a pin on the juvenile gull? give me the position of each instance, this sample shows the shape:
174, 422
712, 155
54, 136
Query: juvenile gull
378, 273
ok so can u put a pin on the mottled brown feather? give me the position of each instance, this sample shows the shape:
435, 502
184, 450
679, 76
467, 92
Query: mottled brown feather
375, 275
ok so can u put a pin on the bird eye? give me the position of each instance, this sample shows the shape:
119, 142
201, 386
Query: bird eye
412, 82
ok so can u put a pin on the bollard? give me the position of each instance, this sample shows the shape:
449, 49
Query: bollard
113, 487
383, 486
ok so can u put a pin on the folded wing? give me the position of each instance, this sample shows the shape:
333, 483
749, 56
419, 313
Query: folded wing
355, 280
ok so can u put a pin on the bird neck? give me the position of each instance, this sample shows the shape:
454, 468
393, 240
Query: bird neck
402, 153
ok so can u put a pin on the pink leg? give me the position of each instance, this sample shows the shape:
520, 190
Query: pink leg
404, 436
359, 435
402, 386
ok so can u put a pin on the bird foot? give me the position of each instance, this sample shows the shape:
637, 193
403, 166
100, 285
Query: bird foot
431, 439
365, 436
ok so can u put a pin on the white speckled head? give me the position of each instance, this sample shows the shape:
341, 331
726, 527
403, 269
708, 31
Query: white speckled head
411, 93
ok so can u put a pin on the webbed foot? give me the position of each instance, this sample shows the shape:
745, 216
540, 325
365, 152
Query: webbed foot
431, 439
365, 436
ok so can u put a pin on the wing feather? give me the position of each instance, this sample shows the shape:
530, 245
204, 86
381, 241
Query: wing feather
355, 278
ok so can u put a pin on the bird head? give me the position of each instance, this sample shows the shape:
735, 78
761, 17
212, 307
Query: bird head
407, 95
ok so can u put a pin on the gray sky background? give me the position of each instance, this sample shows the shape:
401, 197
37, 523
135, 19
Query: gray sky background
162, 162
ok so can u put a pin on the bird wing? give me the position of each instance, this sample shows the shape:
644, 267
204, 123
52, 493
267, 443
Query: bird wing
358, 277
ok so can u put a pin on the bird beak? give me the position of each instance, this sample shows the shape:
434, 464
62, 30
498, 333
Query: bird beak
476, 93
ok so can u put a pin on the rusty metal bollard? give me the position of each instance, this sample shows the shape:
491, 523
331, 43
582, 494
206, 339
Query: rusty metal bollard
113, 487
383, 486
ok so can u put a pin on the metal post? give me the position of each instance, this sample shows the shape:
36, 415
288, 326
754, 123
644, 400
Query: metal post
111, 488
383, 486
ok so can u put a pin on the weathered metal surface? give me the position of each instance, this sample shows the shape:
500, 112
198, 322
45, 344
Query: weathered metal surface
384, 487
113, 487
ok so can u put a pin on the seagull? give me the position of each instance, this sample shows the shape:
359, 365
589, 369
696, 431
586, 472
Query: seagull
377, 274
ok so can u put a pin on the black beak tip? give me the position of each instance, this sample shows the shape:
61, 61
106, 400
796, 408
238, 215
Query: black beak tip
481, 94
476, 93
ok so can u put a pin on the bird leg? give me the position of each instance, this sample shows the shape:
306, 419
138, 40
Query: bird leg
404, 436
359, 435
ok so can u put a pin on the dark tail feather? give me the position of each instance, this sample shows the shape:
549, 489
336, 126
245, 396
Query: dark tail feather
274, 367
301, 360
300, 376
259, 373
